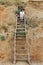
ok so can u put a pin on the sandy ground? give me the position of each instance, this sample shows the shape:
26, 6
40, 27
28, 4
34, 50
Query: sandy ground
24, 63
18, 63
21, 63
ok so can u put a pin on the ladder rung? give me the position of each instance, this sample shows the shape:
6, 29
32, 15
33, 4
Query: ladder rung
20, 38
21, 32
21, 35
21, 45
21, 49
21, 58
20, 23
20, 28
21, 54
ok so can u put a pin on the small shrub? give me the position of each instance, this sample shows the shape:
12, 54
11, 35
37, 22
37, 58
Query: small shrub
2, 38
17, 11
22, 33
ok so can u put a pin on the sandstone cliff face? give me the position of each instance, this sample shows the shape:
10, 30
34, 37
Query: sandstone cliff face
34, 12
35, 42
7, 23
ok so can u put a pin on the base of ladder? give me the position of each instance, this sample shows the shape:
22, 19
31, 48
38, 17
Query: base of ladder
14, 62
22, 61
29, 62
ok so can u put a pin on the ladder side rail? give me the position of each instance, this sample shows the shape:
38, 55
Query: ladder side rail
15, 48
15, 43
25, 29
16, 24
28, 50
27, 44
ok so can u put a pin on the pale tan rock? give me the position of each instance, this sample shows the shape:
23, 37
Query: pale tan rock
7, 22
35, 43
34, 12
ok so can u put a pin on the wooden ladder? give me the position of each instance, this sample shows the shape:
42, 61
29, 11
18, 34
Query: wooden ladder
21, 51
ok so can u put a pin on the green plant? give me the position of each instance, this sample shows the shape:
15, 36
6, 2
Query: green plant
22, 33
17, 11
2, 37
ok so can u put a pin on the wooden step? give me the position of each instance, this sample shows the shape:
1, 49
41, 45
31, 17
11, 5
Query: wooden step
18, 23
20, 35
22, 32
21, 57
20, 26
21, 23
21, 38
21, 54
20, 42
21, 50
20, 29
20, 45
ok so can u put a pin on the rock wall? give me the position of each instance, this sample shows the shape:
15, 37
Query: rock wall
34, 13
35, 42
7, 23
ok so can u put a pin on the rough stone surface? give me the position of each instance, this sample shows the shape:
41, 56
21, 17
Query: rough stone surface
7, 23
34, 11
35, 42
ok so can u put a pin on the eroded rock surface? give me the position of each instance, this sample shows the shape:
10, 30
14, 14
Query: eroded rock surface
34, 11
7, 23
